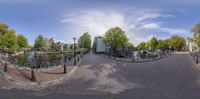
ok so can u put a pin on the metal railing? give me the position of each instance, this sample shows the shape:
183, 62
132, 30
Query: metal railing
139, 56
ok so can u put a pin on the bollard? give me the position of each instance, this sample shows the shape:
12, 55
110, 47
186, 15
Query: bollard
33, 76
5, 67
197, 59
133, 58
75, 61
78, 58
65, 68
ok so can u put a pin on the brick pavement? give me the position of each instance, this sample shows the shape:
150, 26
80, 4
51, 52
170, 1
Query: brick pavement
45, 75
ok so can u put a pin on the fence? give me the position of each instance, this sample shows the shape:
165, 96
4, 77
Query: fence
69, 60
139, 56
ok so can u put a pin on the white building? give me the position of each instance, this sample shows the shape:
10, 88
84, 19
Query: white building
98, 45
192, 47
47, 43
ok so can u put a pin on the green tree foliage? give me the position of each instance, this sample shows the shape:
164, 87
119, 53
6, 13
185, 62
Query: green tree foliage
196, 34
39, 42
142, 46
85, 41
177, 42
196, 30
190, 39
65, 47
30, 47
129, 45
9, 40
22, 41
153, 43
56, 47
147, 45
3, 28
163, 44
116, 37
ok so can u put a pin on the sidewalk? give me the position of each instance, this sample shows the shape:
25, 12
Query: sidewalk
44, 77
196, 65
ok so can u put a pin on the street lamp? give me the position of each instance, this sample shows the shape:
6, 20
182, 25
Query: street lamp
65, 61
74, 50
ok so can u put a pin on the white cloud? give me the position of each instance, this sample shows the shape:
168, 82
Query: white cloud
97, 22
174, 31
153, 16
157, 27
182, 11
151, 26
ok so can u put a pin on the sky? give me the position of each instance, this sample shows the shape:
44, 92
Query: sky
65, 19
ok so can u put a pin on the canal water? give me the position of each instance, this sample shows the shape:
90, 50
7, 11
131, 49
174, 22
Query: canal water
33, 60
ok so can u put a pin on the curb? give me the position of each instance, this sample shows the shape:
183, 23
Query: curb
196, 66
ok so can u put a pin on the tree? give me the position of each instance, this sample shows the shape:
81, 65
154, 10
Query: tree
153, 43
190, 39
30, 47
196, 30
65, 47
177, 42
8, 38
196, 34
85, 41
55, 47
163, 44
3, 28
116, 37
22, 41
141, 46
39, 42
129, 45
147, 45
10, 41
2, 42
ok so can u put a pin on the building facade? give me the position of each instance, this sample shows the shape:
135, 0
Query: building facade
98, 45
47, 43
192, 47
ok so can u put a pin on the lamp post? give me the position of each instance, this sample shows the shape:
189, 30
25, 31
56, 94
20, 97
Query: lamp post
65, 62
74, 50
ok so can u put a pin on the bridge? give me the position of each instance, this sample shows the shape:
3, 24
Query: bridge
97, 77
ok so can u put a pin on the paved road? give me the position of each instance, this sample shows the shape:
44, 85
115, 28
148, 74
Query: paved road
174, 77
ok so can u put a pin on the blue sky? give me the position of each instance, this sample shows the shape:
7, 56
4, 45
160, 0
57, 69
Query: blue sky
64, 19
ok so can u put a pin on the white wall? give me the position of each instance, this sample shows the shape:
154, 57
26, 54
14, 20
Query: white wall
100, 45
